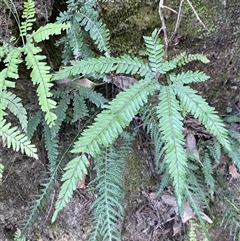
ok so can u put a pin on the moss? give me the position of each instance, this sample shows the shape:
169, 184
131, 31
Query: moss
128, 21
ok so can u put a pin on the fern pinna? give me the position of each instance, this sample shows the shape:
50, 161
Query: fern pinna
174, 98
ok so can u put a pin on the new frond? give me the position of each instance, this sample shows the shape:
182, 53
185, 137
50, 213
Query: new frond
171, 126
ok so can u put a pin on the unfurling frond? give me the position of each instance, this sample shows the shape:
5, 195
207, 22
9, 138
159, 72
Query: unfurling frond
171, 125
196, 105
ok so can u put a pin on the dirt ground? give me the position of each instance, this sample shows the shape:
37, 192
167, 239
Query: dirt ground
146, 217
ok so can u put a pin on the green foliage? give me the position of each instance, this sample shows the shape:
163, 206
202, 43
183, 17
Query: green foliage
84, 19
40, 75
158, 79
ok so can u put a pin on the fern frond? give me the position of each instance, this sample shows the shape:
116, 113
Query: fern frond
189, 77
196, 105
102, 65
18, 236
231, 217
40, 75
37, 204
195, 197
98, 31
95, 97
108, 125
60, 112
49, 29
17, 140
107, 206
232, 118
33, 123
16, 107
80, 108
171, 125
208, 172
117, 115
185, 58
29, 16
52, 145
11, 71
155, 51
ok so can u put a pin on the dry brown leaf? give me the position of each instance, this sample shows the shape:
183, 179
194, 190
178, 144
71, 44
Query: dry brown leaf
177, 225
121, 81
233, 171
191, 145
187, 213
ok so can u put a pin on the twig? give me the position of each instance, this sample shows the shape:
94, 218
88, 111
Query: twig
161, 6
198, 18
179, 16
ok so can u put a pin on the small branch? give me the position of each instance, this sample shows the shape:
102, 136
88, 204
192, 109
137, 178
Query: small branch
198, 18
179, 16
161, 6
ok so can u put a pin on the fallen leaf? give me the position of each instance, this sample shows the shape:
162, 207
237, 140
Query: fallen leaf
177, 225
187, 213
192, 146
233, 171
121, 81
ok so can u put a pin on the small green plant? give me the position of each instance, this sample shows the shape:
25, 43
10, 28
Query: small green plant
40, 75
175, 98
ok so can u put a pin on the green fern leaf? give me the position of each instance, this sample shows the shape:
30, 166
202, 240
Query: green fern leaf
185, 58
107, 206
155, 51
44, 32
17, 140
33, 123
117, 115
196, 105
189, 77
28, 15
108, 125
171, 125
98, 32
11, 71
103, 65
208, 172
40, 75
16, 107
